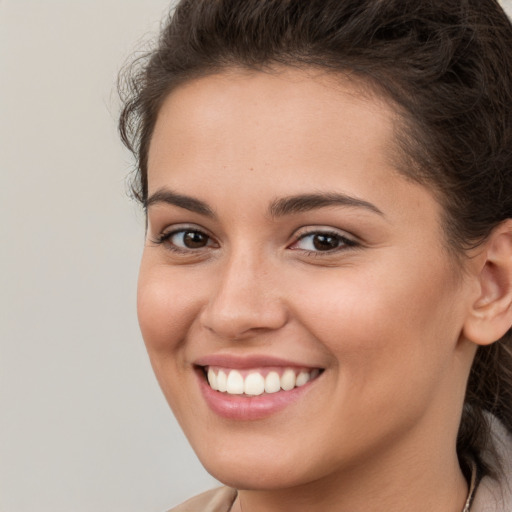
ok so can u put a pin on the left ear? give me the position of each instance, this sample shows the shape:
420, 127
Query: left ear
491, 313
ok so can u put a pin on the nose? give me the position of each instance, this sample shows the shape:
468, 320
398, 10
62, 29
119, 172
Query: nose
246, 299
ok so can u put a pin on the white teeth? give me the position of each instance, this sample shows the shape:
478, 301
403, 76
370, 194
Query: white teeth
288, 380
222, 382
272, 383
235, 383
302, 378
212, 379
254, 384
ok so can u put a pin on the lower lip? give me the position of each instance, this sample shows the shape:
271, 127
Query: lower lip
241, 407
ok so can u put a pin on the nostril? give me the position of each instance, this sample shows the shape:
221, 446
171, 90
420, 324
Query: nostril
244, 300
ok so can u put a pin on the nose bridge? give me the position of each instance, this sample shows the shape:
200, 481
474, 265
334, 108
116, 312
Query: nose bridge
245, 298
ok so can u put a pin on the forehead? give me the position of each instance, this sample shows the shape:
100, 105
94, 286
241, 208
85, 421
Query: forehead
272, 115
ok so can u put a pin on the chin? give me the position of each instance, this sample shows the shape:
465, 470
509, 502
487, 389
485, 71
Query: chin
263, 465
250, 475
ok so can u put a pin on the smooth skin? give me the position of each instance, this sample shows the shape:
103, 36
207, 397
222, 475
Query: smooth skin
364, 288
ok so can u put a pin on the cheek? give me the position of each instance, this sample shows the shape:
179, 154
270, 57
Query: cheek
164, 311
165, 315
384, 326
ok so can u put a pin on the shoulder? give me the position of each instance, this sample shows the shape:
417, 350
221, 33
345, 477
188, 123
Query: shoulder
215, 500
495, 495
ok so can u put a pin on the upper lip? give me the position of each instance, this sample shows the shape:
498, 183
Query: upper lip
246, 362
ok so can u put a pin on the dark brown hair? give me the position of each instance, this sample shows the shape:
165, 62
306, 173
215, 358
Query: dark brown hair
447, 67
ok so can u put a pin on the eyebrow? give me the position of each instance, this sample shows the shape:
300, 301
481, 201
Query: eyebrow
167, 196
306, 202
278, 208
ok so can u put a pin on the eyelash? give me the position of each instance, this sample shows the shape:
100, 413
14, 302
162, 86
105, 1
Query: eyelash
344, 243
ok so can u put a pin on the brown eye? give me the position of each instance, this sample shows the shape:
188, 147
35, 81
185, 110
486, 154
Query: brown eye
186, 239
193, 239
324, 242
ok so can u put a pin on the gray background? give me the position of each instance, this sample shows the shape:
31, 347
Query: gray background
83, 425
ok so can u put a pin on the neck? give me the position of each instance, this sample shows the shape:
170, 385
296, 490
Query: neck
422, 484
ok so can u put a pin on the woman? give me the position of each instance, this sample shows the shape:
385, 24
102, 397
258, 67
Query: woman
326, 286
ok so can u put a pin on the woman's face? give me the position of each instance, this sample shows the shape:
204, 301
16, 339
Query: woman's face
283, 246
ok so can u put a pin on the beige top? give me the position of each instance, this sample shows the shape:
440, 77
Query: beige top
216, 500
491, 495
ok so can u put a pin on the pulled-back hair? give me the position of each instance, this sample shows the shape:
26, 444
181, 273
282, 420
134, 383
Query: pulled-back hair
446, 65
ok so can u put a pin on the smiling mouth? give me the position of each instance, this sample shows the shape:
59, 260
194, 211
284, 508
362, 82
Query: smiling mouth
252, 382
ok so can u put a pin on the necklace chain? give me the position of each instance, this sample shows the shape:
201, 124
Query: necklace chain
472, 488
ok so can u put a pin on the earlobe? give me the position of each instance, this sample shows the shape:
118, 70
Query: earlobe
491, 314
